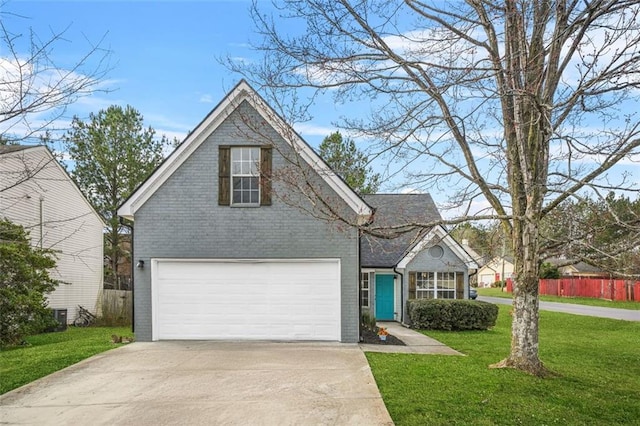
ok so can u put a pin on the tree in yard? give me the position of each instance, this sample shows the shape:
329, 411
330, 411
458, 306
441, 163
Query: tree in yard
521, 104
604, 232
112, 154
36, 88
24, 283
349, 163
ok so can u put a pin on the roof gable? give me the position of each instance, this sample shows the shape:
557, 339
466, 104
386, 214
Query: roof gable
24, 150
242, 92
399, 209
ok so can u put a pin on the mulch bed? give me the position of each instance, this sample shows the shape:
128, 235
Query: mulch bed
371, 337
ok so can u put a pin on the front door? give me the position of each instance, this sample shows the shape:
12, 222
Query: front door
384, 297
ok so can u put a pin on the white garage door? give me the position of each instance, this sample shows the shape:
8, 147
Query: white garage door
259, 300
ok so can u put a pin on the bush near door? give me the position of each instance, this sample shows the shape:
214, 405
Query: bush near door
445, 314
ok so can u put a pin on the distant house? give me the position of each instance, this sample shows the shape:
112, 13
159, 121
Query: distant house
37, 193
497, 269
578, 269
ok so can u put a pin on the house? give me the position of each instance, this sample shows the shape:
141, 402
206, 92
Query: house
418, 264
497, 269
37, 193
227, 246
577, 269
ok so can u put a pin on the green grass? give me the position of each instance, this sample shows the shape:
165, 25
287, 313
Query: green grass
50, 352
496, 292
597, 361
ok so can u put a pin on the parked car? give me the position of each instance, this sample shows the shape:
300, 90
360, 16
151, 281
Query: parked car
473, 293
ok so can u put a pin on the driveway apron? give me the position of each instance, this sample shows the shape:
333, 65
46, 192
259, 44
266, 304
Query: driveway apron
206, 383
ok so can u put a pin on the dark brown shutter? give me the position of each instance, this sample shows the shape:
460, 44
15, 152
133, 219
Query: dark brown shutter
412, 285
265, 176
459, 285
224, 176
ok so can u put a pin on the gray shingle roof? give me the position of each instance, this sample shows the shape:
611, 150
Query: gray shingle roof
6, 149
395, 209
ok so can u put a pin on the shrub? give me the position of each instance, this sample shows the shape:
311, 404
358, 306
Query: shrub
24, 283
443, 314
368, 321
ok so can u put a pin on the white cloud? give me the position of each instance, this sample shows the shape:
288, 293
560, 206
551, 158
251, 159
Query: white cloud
206, 98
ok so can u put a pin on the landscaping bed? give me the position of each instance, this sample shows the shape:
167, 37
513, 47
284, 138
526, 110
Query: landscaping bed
371, 337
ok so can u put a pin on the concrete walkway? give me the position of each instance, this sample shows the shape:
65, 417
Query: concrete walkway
416, 343
570, 308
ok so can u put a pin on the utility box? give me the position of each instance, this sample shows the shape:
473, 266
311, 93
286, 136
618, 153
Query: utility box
61, 316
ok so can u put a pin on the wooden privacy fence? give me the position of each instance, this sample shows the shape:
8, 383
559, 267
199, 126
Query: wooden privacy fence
114, 307
599, 288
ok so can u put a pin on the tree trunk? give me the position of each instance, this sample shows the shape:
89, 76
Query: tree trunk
525, 313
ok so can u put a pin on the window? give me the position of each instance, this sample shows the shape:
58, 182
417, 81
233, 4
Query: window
433, 285
425, 285
364, 289
446, 285
245, 176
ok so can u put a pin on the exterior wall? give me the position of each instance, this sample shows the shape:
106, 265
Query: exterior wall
491, 269
424, 262
69, 225
183, 220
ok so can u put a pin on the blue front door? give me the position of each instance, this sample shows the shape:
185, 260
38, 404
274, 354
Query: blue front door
384, 297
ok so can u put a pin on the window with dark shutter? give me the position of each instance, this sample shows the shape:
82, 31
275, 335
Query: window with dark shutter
459, 286
412, 285
265, 176
244, 175
224, 176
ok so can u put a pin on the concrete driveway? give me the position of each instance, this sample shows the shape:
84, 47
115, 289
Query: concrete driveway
206, 383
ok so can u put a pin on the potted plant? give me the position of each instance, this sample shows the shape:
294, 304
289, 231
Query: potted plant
383, 333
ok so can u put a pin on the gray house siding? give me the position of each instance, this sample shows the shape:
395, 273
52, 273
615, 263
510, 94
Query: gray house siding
424, 262
183, 220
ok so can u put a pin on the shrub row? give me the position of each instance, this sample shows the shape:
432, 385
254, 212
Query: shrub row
442, 314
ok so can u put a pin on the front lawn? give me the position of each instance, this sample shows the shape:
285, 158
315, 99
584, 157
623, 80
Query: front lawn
590, 301
598, 382
50, 352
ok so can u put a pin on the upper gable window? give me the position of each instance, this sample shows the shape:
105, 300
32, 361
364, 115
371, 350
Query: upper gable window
245, 175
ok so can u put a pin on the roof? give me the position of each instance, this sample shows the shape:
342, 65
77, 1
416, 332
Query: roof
580, 267
390, 210
242, 92
6, 149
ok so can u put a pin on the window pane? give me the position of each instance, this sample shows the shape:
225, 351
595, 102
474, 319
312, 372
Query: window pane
255, 197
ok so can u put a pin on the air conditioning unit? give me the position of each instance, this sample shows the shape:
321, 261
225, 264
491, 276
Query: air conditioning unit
61, 316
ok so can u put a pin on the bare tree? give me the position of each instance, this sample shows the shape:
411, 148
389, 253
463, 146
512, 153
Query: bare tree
522, 104
35, 90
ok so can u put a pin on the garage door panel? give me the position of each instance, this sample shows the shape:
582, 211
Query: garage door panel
297, 300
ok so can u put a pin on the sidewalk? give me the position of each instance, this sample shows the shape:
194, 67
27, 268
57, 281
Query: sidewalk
416, 343
571, 308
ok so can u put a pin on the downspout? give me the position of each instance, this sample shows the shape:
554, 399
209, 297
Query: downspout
41, 221
401, 294
132, 266
360, 290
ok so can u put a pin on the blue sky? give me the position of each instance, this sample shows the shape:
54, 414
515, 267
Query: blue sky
164, 58
163, 54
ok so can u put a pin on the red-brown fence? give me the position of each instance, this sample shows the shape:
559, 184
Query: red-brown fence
619, 290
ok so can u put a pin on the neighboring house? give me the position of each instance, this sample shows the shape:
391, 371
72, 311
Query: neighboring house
422, 264
227, 248
578, 270
494, 270
37, 193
